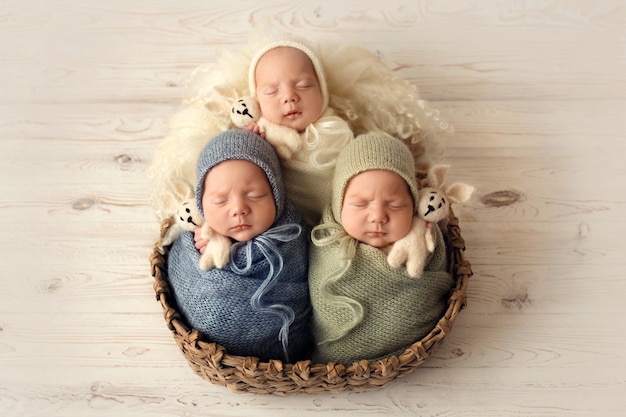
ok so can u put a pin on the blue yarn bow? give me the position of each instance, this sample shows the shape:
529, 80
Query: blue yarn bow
265, 242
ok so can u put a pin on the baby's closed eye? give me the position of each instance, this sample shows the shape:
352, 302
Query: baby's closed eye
357, 203
218, 200
257, 196
269, 91
397, 205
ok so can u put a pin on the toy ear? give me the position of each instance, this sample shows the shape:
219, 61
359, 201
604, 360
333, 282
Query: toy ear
225, 93
459, 192
183, 189
226, 90
168, 202
437, 175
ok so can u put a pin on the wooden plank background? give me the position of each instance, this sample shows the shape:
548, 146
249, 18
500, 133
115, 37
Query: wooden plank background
536, 90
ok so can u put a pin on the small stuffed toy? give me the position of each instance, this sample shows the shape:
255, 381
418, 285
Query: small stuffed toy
217, 252
187, 217
433, 206
414, 248
285, 141
435, 198
181, 202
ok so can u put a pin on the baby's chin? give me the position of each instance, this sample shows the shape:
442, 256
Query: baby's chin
377, 243
298, 127
243, 235
298, 123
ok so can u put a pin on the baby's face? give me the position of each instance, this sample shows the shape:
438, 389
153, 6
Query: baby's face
377, 208
237, 200
287, 87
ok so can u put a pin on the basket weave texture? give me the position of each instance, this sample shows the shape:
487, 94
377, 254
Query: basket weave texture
212, 362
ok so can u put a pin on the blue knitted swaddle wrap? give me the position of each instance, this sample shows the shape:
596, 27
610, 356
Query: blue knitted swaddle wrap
226, 304
258, 304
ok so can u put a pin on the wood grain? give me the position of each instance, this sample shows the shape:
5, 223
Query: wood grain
536, 92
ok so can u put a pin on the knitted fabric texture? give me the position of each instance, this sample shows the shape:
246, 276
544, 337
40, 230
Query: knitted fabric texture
397, 309
301, 45
367, 152
258, 304
218, 302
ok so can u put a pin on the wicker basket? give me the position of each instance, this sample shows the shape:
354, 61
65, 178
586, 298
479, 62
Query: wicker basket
248, 374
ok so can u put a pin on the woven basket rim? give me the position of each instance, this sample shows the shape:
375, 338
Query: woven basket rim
212, 362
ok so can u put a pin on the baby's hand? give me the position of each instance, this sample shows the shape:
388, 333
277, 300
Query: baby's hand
254, 128
199, 242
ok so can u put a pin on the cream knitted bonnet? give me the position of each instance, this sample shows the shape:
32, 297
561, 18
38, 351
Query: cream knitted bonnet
296, 43
373, 150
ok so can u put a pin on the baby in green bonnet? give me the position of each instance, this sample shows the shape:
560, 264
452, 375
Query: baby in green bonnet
364, 308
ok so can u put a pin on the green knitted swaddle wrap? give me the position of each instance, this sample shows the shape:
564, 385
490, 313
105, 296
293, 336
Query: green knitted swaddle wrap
398, 310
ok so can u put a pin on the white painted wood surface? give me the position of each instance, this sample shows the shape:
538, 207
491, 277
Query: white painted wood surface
536, 90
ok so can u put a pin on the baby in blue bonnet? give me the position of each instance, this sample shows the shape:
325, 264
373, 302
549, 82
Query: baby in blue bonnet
258, 304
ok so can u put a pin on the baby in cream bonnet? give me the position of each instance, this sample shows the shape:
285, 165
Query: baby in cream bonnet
288, 80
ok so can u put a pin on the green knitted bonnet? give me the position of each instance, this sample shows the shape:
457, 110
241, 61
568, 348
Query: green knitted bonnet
373, 150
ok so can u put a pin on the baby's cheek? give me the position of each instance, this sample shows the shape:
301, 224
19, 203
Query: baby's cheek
406, 223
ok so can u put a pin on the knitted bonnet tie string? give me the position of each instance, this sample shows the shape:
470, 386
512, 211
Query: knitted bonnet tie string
327, 234
265, 242
324, 140
311, 137
312, 141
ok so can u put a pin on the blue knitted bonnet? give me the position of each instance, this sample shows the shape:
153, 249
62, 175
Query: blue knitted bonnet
242, 145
